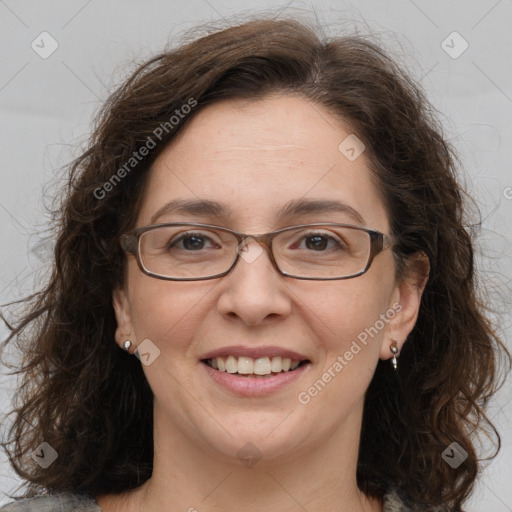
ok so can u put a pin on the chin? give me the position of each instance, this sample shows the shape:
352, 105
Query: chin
263, 446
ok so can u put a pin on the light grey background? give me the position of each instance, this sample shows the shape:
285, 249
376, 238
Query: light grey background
47, 106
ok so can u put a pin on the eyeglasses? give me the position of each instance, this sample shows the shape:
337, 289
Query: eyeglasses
193, 251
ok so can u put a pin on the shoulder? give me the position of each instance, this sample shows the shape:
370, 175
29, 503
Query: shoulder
396, 501
59, 502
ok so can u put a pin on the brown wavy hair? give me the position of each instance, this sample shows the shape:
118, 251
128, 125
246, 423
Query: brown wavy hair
90, 400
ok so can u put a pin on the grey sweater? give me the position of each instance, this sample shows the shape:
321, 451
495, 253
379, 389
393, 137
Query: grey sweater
68, 502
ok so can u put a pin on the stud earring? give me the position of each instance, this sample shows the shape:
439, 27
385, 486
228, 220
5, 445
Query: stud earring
394, 349
127, 345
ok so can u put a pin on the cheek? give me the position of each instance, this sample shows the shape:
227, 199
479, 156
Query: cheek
166, 312
340, 312
349, 320
346, 320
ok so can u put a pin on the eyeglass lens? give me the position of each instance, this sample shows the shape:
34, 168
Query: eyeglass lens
316, 252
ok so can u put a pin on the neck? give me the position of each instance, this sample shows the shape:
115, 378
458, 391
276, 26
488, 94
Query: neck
192, 477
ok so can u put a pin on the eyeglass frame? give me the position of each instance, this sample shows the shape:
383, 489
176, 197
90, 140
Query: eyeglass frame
130, 242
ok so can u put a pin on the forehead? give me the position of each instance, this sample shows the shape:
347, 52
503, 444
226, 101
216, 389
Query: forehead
259, 160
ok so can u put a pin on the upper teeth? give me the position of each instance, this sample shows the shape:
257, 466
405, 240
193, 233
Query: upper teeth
248, 365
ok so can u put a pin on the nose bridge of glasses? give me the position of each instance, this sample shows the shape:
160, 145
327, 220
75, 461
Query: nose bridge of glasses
249, 251
245, 242
262, 240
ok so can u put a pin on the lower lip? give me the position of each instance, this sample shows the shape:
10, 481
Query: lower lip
254, 386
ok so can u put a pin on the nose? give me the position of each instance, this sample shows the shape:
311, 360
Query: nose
254, 290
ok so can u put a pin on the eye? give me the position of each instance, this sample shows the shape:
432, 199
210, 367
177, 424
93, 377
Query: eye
320, 242
191, 241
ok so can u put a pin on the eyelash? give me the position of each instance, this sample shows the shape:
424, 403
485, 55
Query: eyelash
184, 236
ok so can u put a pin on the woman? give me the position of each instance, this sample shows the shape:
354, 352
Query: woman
263, 294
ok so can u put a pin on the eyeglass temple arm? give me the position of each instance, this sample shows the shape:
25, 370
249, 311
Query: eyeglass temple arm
129, 243
389, 241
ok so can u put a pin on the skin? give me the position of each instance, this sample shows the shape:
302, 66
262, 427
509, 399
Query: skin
255, 157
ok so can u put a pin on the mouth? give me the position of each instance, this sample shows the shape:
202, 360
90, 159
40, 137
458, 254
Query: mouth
254, 371
259, 368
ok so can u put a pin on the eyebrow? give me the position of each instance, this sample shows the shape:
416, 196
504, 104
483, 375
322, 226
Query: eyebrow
292, 209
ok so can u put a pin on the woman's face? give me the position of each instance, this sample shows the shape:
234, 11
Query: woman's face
254, 158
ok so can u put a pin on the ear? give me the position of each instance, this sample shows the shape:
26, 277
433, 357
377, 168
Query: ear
406, 302
124, 330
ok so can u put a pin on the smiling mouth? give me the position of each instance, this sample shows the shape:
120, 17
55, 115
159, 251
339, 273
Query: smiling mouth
262, 367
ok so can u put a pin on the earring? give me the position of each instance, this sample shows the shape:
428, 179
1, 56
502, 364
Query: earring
127, 345
394, 349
